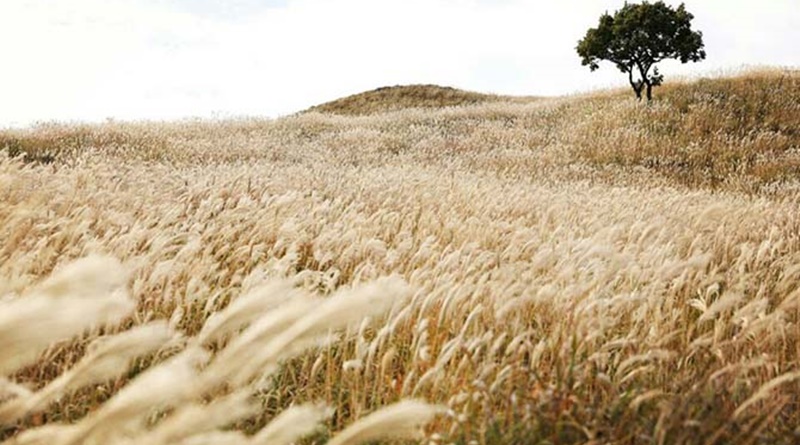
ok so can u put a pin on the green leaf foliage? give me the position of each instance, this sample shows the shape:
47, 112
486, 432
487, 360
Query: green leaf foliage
640, 35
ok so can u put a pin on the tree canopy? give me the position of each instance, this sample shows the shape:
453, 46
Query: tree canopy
637, 37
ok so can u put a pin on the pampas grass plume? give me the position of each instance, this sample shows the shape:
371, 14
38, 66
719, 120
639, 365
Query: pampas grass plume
292, 424
402, 420
107, 358
84, 294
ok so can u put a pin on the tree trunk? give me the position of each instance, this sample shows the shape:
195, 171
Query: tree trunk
644, 82
636, 85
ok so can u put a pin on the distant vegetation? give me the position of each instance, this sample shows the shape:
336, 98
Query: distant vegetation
408, 96
637, 37
586, 269
738, 133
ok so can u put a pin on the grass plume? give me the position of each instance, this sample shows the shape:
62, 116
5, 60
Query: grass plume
582, 269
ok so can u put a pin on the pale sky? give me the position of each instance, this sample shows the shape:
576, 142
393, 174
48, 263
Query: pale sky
89, 60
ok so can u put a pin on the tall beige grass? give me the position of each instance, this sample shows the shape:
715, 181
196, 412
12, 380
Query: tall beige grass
193, 395
577, 270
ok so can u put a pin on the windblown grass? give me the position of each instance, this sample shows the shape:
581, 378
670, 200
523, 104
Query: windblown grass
192, 395
574, 272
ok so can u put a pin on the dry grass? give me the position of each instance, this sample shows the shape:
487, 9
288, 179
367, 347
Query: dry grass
402, 97
741, 132
205, 384
567, 281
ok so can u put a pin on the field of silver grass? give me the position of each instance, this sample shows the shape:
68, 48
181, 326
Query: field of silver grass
322, 275
191, 395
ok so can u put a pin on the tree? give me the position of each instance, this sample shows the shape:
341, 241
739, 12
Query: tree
637, 37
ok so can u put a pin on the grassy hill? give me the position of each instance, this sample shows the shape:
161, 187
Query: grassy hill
573, 270
407, 96
738, 133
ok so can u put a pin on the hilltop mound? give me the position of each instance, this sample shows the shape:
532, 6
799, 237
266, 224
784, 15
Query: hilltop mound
406, 96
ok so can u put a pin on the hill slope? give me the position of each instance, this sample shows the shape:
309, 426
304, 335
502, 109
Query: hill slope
407, 96
738, 133
574, 270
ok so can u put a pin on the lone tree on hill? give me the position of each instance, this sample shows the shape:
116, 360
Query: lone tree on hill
637, 37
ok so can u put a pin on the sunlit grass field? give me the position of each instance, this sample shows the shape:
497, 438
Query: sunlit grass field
574, 270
